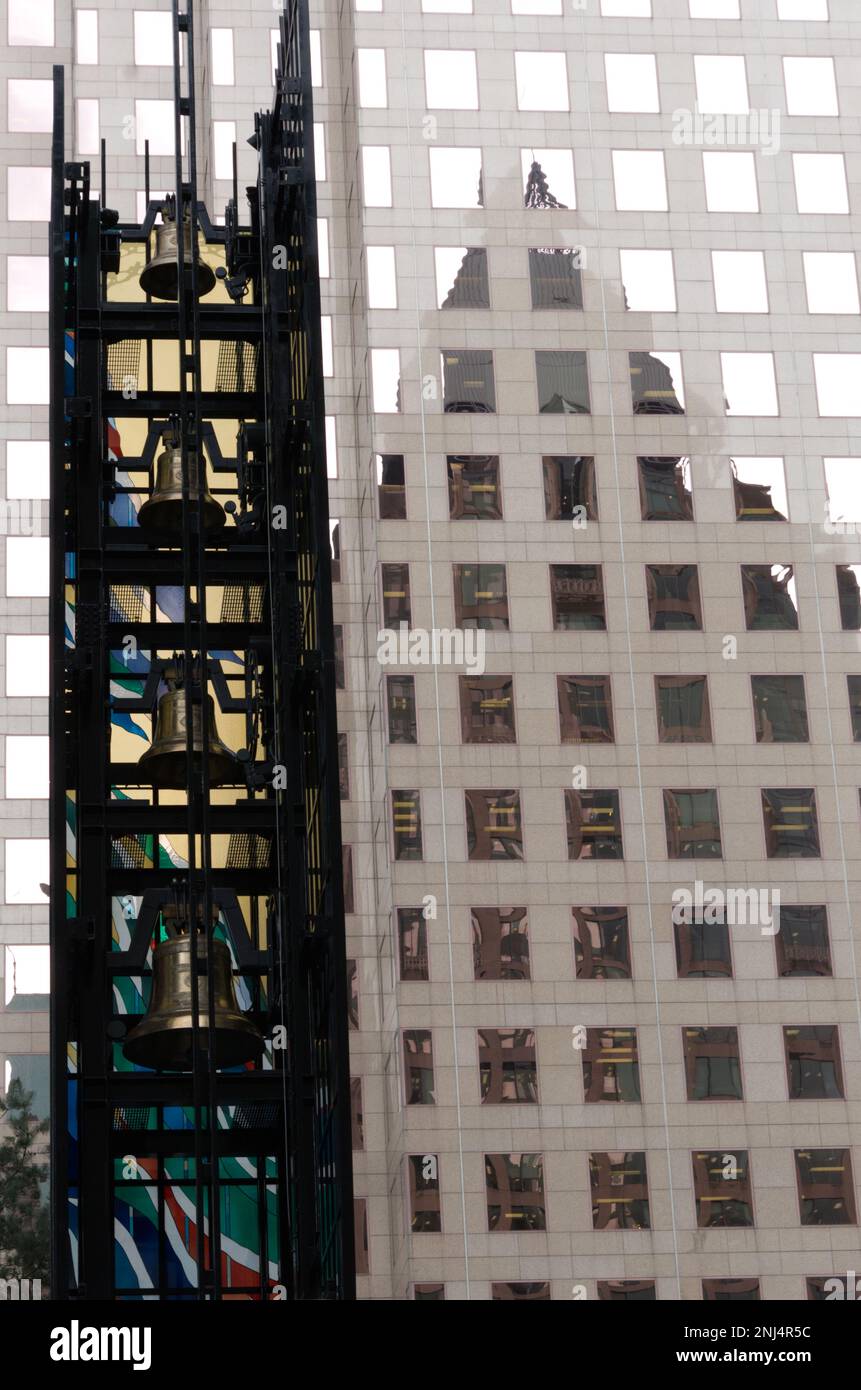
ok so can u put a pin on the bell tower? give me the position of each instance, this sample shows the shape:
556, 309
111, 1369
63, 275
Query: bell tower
200, 1090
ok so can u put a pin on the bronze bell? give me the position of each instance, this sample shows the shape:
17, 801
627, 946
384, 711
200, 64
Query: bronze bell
163, 510
163, 1038
160, 278
164, 762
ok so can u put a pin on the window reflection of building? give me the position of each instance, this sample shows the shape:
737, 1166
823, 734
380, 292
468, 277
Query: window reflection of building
802, 943
693, 827
401, 708
569, 483
407, 824
849, 595
577, 596
854, 688
626, 1290
554, 278
470, 288
514, 1184
500, 943
813, 1066
412, 943
683, 709
826, 1192
585, 709
611, 1067
360, 1220
396, 595
481, 597
343, 768
602, 948
520, 1293
474, 491
673, 593
770, 603
563, 383
620, 1192
357, 1118
593, 824
425, 1210
347, 871
825, 1288
508, 1068
653, 391
731, 1291
391, 487
665, 488
494, 829
791, 823
487, 709
468, 382
702, 949
780, 709
429, 1293
418, 1066
353, 994
712, 1063
722, 1190
755, 499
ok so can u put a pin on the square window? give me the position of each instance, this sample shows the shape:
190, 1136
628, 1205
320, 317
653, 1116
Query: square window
425, 1211
802, 943
692, 824
508, 1067
826, 1191
407, 824
542, 81
456, 178
820, 183
494, 825
371, 66
674, 598
451, 79
222, 57
831, 278
154, 122
665, 488
802, 9
813, 1066
749, 384
640, 181
739, 281
473, 487
779, 709
481, 597
500, 943
854, 683
28, 866
648, 282
722, 1189
514, 1185
468, 382
770, 599
401, 708
418, 1066
27, 284
27, 376
377, 176
838, 383
30, 105
611, 1067
154, 38
811, 87
791, 823
721, 85
714, 9
730, 179
759, 489
31, 23
26, 766
657, 387
577, 598
569, 488
386, 380
412, 943
27, 567
702, 946
461, 277
683, 709
548, 178
223, 140
585, 709
593, 824
563, 383
487, 709
632, 82
620, 1191
602, 945
555, 280
28, 192
382, 278
391, 487
396, 594
27, 666
712, 1063
27, 973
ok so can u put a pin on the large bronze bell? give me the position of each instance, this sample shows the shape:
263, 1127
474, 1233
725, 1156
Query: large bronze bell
165, 761
163, 510
163, 1038
160, 278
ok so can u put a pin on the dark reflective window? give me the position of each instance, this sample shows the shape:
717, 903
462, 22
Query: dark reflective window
770, 602
577, 596
593, 824
779, 709
569, 487
854, 684
391, 487
514, 1184
554, 278
481, 597
487, 709
585, 709
418, 1066
849, 595
357, 1124
352, 994
722, 1190
731, 1291
494, 829
500, 943
343, 768
468, 382
802, 944
340, 673
347, 873
683, 709
759, 489
826, 1192
602, 946
396, 595
401, 708
425, 1211
611, 1067
665, 489
407, 824
813, 1062
360, 1225
712, 1063
470, 288
563, 383
791, 824
537, 193
508, 1069
412, 943
474, 492
620, 1191
429, 1293
626, 1290
702, 947
335, 550
693, 827
654, 391
674, 597
826, 1288
520, 1293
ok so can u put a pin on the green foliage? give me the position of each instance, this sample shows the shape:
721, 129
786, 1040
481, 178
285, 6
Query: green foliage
24, 1236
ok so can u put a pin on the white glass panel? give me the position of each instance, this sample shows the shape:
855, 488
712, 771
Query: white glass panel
29, 193
377, 175
154, 122
627, 9
820, 183
27, 378
30, 105
27, 971
27, 566
843, 482
27, 284
838, 383
26, 766
802, 9
749, 385
27, 468
223, 140
455, 177
730, 182
27, 668
648, 281
640, 181
320, 151
714, 9
451, 80
385, 380
382, 278
323, 246
331, 447
721, 85
447, 6
632, 82
369, 6
558, 169
326, 339
811, 88
31, 23
832, 282
87, 36
27, 868
371, 66
87, 131
542, 81
536, 6
316, 59
154, 39
222, 58
740, 284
